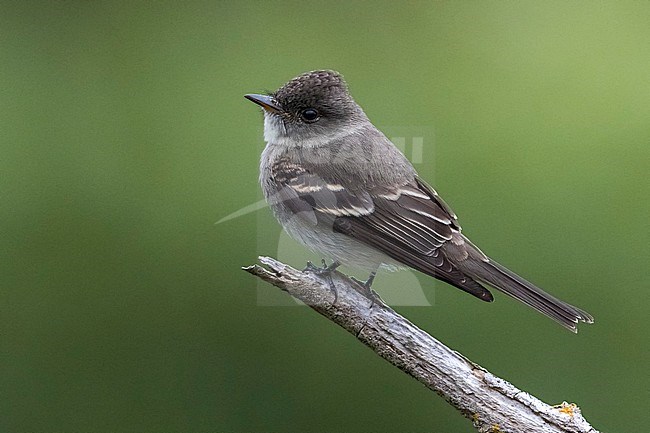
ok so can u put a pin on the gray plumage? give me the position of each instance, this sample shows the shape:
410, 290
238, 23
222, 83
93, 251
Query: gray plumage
338, 185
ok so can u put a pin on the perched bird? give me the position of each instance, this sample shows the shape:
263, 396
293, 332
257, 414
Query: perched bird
339, 186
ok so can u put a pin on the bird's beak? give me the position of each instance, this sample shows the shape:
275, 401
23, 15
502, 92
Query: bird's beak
266, 102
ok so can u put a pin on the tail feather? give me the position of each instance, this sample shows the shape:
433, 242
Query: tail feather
513, 285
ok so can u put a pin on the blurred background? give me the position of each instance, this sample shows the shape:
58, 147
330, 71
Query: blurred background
124, 138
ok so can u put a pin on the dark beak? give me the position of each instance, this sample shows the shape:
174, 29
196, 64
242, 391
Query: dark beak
266, 102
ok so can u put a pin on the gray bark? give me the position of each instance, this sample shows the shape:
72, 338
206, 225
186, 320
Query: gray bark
491, 403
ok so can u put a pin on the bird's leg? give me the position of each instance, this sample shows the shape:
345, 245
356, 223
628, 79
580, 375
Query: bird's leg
366, 288
366, 284
325, 271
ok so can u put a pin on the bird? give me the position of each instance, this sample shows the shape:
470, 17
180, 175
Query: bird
338, 185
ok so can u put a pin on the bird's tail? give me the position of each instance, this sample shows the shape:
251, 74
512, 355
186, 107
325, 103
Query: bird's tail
513, 285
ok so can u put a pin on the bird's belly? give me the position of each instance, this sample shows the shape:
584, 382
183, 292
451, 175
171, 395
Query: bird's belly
336, 246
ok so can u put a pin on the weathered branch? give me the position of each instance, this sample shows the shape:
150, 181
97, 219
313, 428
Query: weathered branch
491, 403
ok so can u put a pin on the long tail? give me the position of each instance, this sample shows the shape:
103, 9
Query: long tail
513, 285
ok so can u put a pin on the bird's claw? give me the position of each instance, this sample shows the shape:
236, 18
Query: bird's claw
325, 271
366, 288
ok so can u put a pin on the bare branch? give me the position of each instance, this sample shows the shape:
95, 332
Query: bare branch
491, 403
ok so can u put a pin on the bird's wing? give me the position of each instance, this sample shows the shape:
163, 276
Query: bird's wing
411, 224
314, 197
408, 223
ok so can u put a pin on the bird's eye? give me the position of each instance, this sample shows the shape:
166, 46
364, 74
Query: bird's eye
309, 115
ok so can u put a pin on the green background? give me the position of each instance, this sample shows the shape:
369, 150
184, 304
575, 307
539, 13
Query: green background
124, 137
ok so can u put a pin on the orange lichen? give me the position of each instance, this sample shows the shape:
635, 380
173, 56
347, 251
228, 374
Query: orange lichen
566, 408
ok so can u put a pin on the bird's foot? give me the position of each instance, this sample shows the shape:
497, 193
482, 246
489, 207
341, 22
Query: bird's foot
366, 289
325, 269
326, 272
